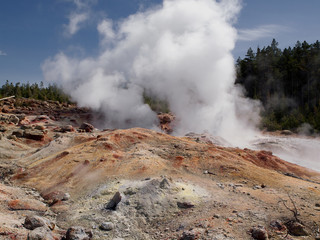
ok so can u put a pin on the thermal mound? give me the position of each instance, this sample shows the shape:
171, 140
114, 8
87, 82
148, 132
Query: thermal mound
143, 184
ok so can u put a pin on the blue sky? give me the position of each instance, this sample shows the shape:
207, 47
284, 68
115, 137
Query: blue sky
31, 31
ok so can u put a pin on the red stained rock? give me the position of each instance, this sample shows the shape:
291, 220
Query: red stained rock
32, 205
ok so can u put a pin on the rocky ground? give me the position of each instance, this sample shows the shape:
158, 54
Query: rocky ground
60, 178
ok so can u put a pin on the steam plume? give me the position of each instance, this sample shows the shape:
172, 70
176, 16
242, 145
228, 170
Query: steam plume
179, 51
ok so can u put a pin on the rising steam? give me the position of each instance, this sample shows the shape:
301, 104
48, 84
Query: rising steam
180, 52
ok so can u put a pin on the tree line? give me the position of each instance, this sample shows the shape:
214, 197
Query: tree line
287, 82
35, 91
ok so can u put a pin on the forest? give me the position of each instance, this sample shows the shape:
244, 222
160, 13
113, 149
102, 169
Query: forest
35, 91
287, 82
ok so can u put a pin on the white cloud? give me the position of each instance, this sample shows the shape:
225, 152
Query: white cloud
260, 32
79, 16
2, 53
75, 21
105, 28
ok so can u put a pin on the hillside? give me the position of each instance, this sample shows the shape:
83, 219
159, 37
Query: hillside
143, 184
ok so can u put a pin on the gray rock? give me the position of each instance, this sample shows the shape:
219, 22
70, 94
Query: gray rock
107, 226
112, 204
164, 184
129, 191
77, 233
185, 205
41, 233
33, 222
66, 197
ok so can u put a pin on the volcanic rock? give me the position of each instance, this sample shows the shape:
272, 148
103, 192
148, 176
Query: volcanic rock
5, 109
259, 233
165, 120
297, 229
12, 137
34, 134
39, 127
55, 196
42, 118
185, 205
66, 128
164, 184
86, 127
22, 204
41, 233
9, 118
286, 132
188, 235
26, 126
112, 205
33, 222
278, 225
18, 133
106, 226
77, 233
3, 128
